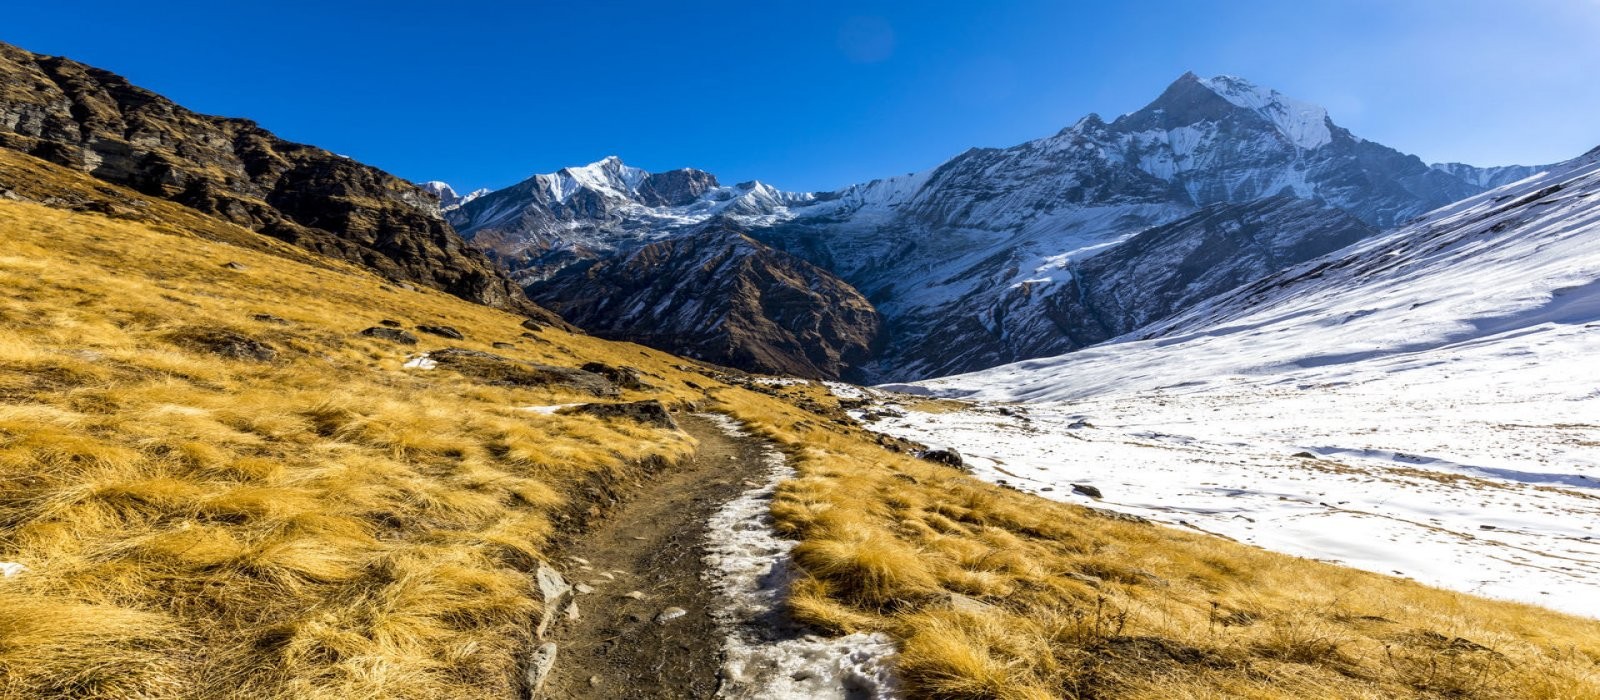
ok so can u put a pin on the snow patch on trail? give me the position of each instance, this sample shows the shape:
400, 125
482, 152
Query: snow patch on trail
11, 568
767, 655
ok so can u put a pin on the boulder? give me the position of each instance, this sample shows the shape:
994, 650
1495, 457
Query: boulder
650, 412
554, 593
442, 331
504, 371
393, 335
623, 377
947, 456
1086, 490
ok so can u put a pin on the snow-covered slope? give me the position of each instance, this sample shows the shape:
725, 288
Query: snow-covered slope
1501, 267
1425, 403
1490, 178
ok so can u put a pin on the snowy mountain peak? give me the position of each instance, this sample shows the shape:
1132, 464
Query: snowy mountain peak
608, 175
1303, 123
439, 188
448, 199
1191, 101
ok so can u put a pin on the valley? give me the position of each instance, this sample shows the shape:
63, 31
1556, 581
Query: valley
1212, 399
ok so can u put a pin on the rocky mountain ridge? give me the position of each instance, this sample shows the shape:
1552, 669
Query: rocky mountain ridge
97, 122
716, 294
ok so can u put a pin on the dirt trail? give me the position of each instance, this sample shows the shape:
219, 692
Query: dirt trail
652, 544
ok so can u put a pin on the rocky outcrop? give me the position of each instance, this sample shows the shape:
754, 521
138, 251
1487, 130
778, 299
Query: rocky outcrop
95, 121
717, 295
649, 412
504, 371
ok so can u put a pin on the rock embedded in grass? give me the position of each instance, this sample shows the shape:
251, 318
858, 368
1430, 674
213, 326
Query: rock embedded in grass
947, 456
223, 342
623, 377
393, 335
554, 593
442, 331
650, 412
539, 667
504, 371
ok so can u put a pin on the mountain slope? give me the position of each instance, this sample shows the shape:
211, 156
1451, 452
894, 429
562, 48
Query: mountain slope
95, 121
1493, 270
949, 243
717, 295
1419, 403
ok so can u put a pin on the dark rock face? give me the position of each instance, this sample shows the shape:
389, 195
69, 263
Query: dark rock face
504, 371
719, 296
97, 122
675, 188
647, 412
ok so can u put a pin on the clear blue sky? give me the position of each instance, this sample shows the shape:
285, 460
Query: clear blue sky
816, 95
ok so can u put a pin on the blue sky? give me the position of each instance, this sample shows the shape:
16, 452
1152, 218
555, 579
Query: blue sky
816, 95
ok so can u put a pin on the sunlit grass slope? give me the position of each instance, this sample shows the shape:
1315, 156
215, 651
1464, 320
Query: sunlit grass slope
328, 524
320, 524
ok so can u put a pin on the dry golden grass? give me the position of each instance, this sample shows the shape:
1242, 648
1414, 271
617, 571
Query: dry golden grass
330, 525
324, 524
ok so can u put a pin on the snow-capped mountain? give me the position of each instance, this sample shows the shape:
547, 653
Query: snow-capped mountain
1510, 277
1424, 403
943, 253
448, 199
977, 262
549, 221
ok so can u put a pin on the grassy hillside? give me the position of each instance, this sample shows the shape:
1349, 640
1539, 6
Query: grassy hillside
221, 489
